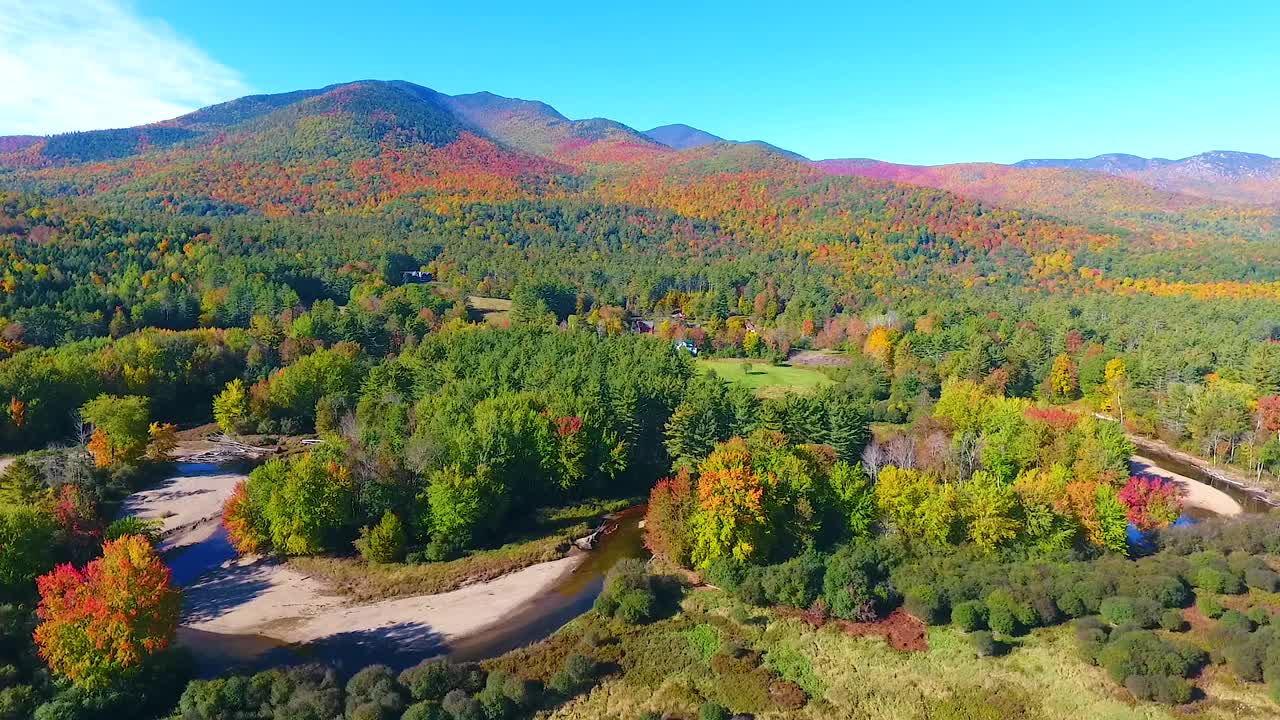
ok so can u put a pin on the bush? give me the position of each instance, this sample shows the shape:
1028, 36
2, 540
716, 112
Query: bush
796, 582
1209, 606
459, 705
578, 674
1167, 590
969, 616
1262, 578
1142, 652
1141, 612
1172, 620
984, 643
149, 529
629, 593
1247, 656
431, 680
1164, 689
1236, 621
925, 603
1259, 615
713, 711
1217, 580
855, 584
1007, 616
374, 694
384, 542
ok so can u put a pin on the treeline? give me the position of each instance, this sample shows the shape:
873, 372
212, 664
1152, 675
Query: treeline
457, 437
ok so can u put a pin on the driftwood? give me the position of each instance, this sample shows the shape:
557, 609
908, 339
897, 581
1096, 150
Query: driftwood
589, 542
226, 449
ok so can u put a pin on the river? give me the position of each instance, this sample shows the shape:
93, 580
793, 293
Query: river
198, 552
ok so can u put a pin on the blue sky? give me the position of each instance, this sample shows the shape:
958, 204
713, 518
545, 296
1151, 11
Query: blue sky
918, 82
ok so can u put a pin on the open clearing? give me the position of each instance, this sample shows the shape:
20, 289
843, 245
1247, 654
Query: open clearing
494, 310
765, 379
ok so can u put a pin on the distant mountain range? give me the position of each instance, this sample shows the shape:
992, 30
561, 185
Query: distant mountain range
345, 141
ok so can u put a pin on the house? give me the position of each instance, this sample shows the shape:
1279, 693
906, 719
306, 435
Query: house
687, 347
642, 326
416, 276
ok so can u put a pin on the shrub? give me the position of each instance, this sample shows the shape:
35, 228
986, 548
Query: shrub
1172, 620
459, 705
969, 616
984, 643
1236, 621
1259, 615
1262, 578
496, 705
925, 603
1217, 580
1209, 606
796, 582
375, 693
854, 586
578, 673
1141, 612
149, 529
1007, 616
787, 695
1247, 656
1142, 652
713, 711
629, 593
431, 680
384, 542
1167, 590
1165, 689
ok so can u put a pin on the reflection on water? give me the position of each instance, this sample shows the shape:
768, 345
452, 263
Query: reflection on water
571, 597
1248, 501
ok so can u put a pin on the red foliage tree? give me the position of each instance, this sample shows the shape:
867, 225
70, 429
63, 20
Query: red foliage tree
103, 621
1269, 413
671, 503
1152, 502
77, 516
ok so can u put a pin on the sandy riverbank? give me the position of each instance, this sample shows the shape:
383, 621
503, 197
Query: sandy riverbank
272, 600
229, 600
189, 505
1198, 494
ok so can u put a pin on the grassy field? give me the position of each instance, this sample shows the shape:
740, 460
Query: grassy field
767, 380
549, 539
494, 310
673, 665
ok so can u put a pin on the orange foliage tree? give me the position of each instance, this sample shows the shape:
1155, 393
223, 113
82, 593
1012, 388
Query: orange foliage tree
734, 513
104, 621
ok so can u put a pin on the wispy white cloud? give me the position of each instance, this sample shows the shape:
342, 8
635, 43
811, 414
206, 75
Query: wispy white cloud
90, 64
